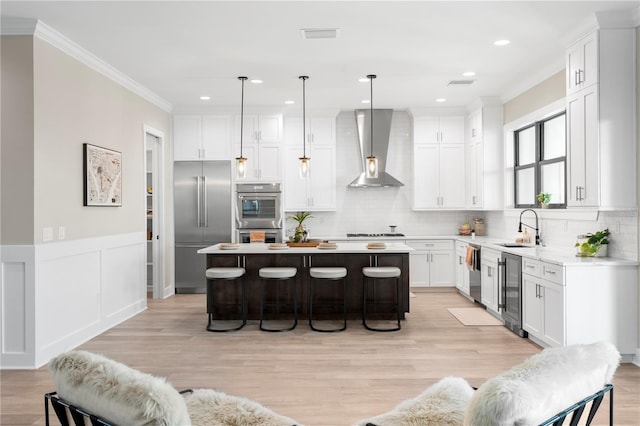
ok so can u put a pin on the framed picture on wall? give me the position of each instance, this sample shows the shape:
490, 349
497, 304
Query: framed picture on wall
102, 169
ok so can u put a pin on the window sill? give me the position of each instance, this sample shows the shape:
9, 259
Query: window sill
570, 213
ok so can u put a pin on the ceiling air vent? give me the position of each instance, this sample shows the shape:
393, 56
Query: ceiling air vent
460, 82
313, 33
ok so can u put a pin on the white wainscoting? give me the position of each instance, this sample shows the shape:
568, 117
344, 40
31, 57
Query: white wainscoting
56, 296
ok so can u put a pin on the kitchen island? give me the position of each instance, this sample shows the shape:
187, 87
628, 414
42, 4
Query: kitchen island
353, 256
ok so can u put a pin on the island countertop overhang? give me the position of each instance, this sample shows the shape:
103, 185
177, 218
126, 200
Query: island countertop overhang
348, 247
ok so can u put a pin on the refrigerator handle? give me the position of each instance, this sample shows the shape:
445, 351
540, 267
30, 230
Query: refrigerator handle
205, 210
198, 207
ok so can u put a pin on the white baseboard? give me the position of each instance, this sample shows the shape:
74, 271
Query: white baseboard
65, 293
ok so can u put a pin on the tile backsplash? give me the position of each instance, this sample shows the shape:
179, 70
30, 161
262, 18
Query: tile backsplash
373, 210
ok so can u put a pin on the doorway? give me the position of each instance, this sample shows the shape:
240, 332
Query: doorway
154, 213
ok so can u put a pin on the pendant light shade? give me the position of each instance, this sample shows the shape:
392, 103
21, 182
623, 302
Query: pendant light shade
304, 160
372, 161
241, 161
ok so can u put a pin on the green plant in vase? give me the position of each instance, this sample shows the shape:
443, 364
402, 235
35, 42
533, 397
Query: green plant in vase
300, 234
592, 244
544, 198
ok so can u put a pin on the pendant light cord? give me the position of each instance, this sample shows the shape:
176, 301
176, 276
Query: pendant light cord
371, 77
241, 113
304, 130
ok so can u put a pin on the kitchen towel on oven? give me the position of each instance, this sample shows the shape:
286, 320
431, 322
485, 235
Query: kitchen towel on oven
471, 255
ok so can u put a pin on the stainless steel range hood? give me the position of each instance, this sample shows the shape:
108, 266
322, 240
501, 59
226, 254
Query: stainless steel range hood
381, 131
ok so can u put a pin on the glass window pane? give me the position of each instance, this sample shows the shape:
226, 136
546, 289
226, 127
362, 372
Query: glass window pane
552, 181
526, 184
526, 146
554, 138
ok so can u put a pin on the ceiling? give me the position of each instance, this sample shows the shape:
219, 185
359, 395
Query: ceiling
181, 50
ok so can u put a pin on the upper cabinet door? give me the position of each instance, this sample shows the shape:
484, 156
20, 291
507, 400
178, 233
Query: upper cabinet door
426, 130
270, 128
187, 135
452, 129
443, 129
216, 137
582, 63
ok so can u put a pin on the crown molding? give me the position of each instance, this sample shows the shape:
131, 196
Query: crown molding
36, 28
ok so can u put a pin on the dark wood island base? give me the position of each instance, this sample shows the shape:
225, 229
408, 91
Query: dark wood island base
303, 260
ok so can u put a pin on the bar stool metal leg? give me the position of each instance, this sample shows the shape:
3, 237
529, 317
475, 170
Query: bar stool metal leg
225, 276
278, 275
328, 275
370, 277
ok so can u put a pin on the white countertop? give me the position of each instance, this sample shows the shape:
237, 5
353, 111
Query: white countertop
559, 256
341, 247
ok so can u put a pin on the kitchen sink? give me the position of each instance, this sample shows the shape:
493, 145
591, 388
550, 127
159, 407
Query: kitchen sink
514, 245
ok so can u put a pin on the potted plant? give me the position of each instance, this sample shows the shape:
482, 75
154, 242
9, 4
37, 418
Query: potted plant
544, 198
591, 245
300, 233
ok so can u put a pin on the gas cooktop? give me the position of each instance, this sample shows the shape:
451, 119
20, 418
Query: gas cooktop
395, 234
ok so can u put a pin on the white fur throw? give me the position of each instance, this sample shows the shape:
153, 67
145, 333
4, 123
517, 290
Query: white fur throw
441, 404
210, 408
117, 393
543, 385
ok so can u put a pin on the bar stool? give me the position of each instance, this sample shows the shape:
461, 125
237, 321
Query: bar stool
219, 276
277, 276
370, 276
325, 275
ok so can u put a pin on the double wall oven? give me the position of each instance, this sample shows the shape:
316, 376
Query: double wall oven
259, 211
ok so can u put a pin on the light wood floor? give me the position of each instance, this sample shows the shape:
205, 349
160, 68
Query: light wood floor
317, 378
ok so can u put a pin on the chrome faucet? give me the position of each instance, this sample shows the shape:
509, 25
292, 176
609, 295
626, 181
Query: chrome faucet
536, 228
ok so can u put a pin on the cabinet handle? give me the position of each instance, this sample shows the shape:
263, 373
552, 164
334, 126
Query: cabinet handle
581, 76
489, 273
473, 200
530, 267
576, 77
473, 133
550, 272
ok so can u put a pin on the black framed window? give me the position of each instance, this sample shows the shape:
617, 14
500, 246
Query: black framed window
540, 162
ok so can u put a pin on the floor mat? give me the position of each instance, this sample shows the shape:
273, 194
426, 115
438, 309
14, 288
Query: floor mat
474, 316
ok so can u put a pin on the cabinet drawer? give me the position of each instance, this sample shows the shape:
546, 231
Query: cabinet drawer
553, 273
431, 244
531, 267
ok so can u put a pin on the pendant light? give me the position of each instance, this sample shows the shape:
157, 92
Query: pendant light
304, 160
372, 161
241, 162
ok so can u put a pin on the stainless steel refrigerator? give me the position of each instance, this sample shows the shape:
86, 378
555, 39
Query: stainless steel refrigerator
202, 211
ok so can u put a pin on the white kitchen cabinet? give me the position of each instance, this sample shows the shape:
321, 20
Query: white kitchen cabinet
264, 161
261, 145
263, 128
485, 174
441, 129
582, 146
580, 303
474, 126
489, 282
432, 263
601, 141
543, 301
462, 272
319, 130
439, 176
582, 63
201, 137
316, 192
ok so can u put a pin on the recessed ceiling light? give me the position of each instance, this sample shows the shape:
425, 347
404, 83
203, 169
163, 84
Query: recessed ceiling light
289, 102
205, 98
469, 74
366, 101
255, 81
501, 42
441, 100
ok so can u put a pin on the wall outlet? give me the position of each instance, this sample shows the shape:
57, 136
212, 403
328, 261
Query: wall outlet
47, 234
62, 232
